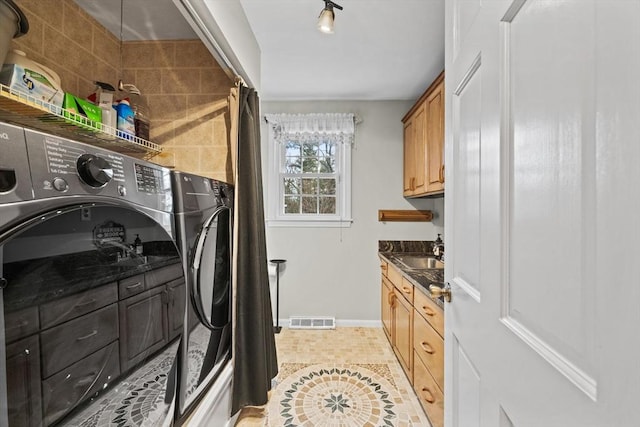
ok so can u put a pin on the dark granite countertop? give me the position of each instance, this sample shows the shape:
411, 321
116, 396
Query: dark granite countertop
420, 278
41, 280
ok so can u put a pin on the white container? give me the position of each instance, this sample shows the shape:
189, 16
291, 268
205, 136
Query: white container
31, 78
109, 121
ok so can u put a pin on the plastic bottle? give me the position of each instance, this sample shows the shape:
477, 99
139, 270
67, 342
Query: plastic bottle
141, 109
125, 121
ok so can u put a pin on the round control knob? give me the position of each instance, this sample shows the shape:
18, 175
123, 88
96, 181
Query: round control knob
94, 171
122, 190
60, 184
223, 195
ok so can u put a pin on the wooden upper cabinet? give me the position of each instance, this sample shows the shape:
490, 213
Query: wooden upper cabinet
408, 159
435, 139
424, 143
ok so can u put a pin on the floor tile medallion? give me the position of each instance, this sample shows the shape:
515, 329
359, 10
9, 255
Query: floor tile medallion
342, 395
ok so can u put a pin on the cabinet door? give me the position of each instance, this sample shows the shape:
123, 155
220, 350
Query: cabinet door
23, 379
387, 298
420, 149
409, 158
143, 326
403, 331
435, 139
175, 307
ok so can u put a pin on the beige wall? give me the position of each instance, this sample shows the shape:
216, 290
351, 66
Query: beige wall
186, 89
70, 42
187, 93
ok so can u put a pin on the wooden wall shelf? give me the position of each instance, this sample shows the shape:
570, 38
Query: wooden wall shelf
404, 216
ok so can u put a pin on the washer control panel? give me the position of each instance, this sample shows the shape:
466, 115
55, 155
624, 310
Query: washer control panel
60, 166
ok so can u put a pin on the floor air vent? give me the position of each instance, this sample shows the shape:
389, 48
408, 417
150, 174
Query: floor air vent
312, 322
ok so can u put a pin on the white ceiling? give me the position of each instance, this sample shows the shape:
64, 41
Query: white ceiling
381, 49
141, 19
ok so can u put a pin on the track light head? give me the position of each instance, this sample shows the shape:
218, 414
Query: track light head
327, 16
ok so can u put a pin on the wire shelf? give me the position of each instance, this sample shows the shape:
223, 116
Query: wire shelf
25, 110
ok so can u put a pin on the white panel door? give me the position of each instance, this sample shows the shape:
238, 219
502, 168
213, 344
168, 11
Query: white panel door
542, 152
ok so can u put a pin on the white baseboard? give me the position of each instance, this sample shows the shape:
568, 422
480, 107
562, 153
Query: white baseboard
349, 323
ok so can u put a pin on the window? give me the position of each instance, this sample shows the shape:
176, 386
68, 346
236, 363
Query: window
310, 180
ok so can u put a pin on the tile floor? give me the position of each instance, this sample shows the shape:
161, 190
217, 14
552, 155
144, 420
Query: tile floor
373, 389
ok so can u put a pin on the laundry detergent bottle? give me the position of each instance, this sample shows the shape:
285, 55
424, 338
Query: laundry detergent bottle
125, 122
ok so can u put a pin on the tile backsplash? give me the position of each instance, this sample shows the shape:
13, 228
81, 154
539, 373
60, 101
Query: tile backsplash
415, 246
184, 86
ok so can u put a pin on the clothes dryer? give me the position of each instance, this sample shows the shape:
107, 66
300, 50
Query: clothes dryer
203, 214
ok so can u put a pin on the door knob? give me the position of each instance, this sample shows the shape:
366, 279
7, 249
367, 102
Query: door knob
445, 292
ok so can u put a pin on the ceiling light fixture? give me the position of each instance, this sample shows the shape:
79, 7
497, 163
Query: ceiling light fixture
325, 20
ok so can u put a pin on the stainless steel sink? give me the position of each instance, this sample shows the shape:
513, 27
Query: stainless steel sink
419, 262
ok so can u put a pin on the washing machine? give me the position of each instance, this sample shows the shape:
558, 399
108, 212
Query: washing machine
203, 211
91, 285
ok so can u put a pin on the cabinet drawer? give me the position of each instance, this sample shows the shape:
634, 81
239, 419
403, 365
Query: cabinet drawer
394, 275
163, 275
71, 341
21, 323
58, 311
429, 394
384, 267
406, 289
429, 346
430, 311
63, 391
131, 286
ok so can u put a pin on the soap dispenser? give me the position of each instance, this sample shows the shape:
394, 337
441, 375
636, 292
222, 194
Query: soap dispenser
438, 248
137, 244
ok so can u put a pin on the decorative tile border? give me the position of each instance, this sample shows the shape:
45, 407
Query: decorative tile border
349, 395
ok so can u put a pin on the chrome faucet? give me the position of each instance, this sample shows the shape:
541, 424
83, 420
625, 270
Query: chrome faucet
438, 248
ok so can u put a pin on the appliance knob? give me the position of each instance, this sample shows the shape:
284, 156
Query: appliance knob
122, 190
60, 184
222, 194
94, 171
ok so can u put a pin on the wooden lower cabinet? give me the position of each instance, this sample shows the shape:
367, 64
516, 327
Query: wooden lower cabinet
144, 327
414, 325
429, 347
175, 307
23, 379
403, 331
429, 394
387, 300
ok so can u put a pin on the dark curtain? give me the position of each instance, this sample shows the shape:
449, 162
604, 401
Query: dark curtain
255, 362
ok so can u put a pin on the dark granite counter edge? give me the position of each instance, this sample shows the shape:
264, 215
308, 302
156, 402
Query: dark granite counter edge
57, 289
420, 283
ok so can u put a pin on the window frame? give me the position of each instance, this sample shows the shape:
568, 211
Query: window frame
277, 217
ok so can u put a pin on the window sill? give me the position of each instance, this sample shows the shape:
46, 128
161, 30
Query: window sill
310, 223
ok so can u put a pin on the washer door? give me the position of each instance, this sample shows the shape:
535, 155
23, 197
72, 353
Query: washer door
212, 270
91, 325
209, 331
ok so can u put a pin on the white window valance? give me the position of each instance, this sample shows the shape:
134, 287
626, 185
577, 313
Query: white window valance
336, 127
